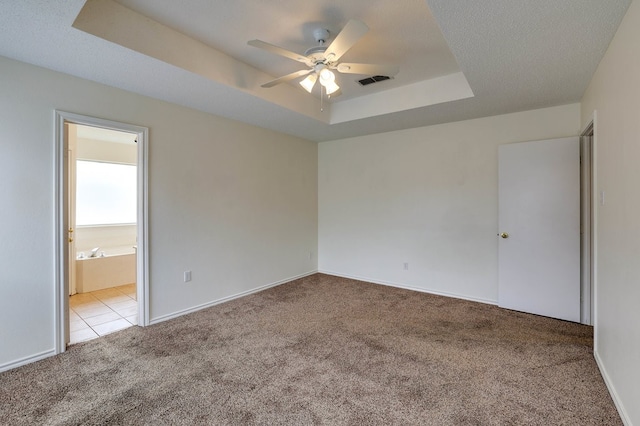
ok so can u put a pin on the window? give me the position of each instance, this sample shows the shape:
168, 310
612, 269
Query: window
105, 193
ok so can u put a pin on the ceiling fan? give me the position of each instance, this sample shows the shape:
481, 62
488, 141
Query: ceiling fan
323, 60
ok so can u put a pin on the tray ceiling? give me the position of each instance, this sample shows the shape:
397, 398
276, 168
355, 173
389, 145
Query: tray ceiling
457, 59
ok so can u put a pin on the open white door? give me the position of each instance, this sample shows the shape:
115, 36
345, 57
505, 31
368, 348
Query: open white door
70, 131
539, 228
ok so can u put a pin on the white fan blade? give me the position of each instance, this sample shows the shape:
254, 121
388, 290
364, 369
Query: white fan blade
278, 50
286, 78
350, 34
368, 69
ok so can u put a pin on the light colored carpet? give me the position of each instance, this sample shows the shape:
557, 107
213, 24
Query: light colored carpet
323, 350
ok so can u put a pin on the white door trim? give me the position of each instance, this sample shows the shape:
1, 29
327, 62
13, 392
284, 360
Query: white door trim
61, 260
587, 207
591, 126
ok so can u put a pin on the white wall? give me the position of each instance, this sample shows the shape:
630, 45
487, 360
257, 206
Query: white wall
425, 196
235, 204
614, 93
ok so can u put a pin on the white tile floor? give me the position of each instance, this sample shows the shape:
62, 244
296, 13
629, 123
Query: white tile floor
102, 312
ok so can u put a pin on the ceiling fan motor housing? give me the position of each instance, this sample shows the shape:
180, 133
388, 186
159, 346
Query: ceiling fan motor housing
316, 54
321, 35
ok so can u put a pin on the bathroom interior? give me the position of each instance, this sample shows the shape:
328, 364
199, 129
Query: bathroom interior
102, 231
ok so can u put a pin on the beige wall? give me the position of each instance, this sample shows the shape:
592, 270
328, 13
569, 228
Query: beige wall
235, 204
614, 93
106, 237
114, 152
425, 196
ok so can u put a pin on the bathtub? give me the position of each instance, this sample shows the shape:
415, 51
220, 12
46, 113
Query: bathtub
116, 267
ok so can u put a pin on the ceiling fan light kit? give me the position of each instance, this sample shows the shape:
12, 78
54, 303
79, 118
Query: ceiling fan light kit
309, 82
323, 60
326, 76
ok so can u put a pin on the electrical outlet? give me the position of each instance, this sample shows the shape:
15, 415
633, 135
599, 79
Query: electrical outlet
406, 266
187, 276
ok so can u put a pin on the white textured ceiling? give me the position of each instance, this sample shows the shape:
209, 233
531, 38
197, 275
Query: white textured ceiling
515, 54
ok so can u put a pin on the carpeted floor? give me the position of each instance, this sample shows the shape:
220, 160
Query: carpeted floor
323, 350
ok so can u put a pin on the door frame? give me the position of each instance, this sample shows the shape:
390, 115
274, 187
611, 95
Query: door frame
589, 244
61, 261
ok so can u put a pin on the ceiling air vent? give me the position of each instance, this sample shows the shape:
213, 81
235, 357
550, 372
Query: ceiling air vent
370, 80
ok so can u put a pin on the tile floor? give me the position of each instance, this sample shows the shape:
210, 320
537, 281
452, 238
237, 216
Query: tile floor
102, 312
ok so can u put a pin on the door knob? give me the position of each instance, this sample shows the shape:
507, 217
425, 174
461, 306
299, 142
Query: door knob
504, 235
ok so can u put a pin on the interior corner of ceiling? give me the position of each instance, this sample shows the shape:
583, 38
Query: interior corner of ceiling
84, 17
120, 25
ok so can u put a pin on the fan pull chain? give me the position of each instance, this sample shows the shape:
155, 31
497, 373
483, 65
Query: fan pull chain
321, 98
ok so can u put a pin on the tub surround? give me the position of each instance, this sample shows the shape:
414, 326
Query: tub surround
116, 268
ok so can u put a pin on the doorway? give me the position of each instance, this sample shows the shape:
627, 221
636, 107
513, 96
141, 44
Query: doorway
539, 213
587, 225
526, 271
91, 236
102, 231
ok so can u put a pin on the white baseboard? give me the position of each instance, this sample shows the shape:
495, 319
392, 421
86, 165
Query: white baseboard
226, 299
407, 287
27, 360
612, 389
